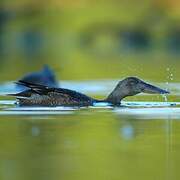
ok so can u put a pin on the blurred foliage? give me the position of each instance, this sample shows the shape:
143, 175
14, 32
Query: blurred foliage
90, 39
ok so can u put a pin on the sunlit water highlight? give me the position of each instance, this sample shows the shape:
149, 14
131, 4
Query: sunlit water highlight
159, 109
97, 87
141, 110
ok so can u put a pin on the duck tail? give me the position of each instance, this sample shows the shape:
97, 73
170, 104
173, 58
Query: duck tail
22, 95
31, 85
35, 88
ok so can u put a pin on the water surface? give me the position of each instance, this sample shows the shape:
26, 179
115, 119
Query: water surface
139, 140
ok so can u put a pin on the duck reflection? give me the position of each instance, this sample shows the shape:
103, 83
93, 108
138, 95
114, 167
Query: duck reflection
127, 132
37, 148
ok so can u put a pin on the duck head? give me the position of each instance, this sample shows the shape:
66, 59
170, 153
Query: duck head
131, 86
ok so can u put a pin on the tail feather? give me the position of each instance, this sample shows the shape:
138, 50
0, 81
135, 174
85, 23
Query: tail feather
18, 97
31, 85
36, 88
33, 88
22, 95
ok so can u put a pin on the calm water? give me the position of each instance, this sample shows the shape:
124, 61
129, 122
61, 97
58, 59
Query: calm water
83, 40
137, 141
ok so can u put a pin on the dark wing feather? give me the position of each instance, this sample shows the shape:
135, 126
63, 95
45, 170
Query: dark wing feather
75, 95
44, 90
31, 85
38, 88
50, 96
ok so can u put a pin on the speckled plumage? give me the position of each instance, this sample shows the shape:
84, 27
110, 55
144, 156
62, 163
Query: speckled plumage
39, 95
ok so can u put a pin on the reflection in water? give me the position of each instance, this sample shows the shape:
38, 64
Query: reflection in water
88, 144
150, 113
169, 147
35, 149
35, 131
127, 132
41, 149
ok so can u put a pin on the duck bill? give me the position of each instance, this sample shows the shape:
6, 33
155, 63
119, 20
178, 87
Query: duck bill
150, 89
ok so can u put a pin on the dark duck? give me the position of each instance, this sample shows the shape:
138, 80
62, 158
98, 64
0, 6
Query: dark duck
44, 77
40, 95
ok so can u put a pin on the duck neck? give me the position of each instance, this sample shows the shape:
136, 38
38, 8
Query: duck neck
115, 96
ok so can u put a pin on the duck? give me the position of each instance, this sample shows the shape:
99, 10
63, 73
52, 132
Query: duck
41, 95
44, 77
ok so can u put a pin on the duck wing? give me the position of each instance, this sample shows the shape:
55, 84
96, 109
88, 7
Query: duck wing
43, 95
35, 88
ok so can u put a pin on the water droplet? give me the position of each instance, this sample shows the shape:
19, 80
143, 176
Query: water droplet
171, 77
165, 97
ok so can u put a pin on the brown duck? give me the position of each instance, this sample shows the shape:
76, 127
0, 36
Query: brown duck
40, 95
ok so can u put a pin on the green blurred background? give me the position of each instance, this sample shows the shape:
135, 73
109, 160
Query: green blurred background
86, 39
82, 40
